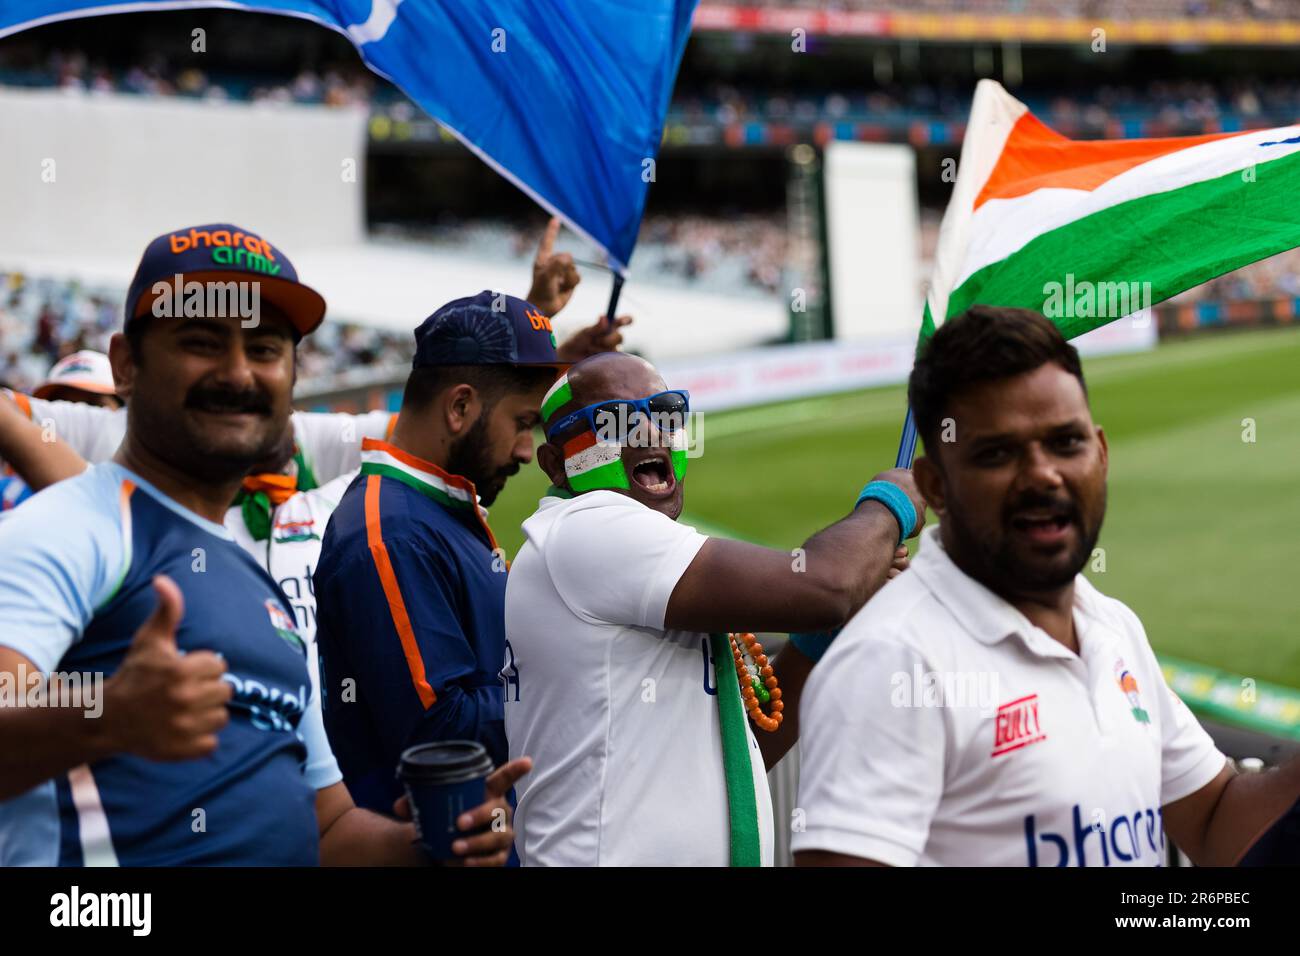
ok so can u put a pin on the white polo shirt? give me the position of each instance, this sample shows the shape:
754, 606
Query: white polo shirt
943, 728
619, 715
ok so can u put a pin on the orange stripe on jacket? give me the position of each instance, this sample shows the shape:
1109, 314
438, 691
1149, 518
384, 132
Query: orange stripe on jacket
396, 605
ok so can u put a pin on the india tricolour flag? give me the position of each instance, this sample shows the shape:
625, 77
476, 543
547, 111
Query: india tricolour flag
1087, 232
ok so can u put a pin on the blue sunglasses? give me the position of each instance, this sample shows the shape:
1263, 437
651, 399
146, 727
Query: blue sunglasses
612, 420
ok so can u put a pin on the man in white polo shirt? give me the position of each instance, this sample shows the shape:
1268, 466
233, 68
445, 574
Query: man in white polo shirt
992, 707
619, 683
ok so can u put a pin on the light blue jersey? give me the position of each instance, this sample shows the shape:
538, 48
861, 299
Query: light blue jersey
77, 563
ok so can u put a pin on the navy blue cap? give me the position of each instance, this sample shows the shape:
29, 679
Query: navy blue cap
224, 252
490, 328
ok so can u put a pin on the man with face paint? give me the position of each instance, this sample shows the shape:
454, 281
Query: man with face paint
992, 707
616, 672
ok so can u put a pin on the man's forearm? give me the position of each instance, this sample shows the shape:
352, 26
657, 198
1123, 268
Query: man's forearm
23, 445
865, 541
40, 743
855, 553
466, 713
736, 586
1250, 804
362, 838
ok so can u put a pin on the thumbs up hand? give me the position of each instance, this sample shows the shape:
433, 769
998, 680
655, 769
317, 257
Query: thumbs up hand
163, 704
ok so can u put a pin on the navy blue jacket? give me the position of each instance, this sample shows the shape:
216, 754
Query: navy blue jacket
410, 594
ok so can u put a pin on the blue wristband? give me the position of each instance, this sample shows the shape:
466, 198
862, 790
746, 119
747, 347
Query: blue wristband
813, 645
895, 499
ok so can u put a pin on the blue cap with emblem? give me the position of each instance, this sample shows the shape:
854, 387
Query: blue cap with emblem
490, 328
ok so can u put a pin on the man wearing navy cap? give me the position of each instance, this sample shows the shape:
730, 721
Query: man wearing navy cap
410, 587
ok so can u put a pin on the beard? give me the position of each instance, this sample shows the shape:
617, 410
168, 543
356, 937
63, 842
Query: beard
471, 457
996, 561
199, 448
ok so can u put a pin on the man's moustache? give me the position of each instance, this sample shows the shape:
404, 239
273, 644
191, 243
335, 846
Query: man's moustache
1062, 507
255, 403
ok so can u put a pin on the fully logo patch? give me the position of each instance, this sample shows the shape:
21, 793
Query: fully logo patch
1017, 725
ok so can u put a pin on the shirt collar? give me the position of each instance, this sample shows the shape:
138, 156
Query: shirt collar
986, 616
381, 458
454, 492
168, 502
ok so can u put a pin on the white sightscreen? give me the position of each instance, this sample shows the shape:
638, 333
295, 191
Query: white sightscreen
873, 239
93, 174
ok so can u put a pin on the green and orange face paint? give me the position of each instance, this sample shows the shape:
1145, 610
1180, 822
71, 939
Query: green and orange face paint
593, 461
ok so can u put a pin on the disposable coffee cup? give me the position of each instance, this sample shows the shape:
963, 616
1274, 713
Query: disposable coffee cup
442, 781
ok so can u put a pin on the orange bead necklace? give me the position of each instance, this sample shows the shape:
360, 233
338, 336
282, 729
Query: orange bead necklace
758, 684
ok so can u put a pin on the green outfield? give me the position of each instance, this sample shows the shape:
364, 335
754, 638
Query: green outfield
1202, 531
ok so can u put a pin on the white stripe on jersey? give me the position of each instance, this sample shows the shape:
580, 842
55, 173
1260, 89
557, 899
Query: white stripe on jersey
96, 841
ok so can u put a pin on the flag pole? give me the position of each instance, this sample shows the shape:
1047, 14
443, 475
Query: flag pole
614, 293
907, 442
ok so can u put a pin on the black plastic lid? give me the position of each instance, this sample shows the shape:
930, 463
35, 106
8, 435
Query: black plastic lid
445, 761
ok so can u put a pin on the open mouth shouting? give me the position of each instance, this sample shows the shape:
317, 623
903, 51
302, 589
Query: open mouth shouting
1044, 525
652, 472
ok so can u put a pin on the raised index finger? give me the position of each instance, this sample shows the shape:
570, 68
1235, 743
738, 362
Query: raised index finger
548, 238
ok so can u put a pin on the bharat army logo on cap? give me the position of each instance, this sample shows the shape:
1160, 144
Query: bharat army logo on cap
228, 248
540, 323
219, 253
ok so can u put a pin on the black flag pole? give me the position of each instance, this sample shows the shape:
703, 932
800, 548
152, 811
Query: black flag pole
907, 442
614, 293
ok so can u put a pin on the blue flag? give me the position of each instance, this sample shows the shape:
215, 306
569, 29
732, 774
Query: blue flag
565, 98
